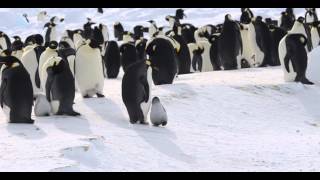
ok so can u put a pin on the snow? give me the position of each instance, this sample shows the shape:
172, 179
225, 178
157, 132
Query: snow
242, 120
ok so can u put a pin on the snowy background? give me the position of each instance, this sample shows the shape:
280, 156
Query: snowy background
243, 120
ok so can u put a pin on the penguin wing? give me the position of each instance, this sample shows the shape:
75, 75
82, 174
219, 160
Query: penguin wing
144, 82
37, 78
2, 90
287, 60
8, 42
49, 83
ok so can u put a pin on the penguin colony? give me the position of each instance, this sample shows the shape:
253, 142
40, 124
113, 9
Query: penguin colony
44, 72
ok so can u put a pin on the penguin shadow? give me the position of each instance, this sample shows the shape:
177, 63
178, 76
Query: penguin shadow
78, 125
161, 139
105, 107
310, 99
26, 131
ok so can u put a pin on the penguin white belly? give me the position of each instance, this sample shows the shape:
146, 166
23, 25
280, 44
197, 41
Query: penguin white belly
247, 53
288, 76
71, 60
43, 72
3, 43
89, 71
192, 47
29, 61
315, 37
17, 54
258, 55
53, 34
6, 109
145, 106
206, 62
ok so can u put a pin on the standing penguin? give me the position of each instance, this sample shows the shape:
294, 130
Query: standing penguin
311, 15
60, 87
293, 57
17, 47
136, 91
51, 32
50, 52
158, 114
230, 45
183, 56
162, 56
118, 31
89, 69
287, 19
112, 59
301, 28
246, 15
16, 95
30, 59
4, 41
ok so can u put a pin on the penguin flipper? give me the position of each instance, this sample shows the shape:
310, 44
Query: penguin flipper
144, 82
2, 90
37, 78
49, 84
286, 62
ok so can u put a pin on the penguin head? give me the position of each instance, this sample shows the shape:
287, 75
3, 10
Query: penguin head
300, 19
16, 38
180, 14
258, 19
38, 39
1, 34
9, 61
48, 25
228, 17
155, 100
93, 44
64, 45
53, 45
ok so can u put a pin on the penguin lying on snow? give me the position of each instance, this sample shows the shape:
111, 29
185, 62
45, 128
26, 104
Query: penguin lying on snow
16, 94
294, 58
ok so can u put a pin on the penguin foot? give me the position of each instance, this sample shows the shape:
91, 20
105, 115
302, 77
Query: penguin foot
86, 96
144, 122
100, 95
306, 81
133, 121
29, 121
72, 113
164, 123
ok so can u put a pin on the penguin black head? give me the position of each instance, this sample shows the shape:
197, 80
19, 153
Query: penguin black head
53, 45
1, 34
16, 38
155, 100
38, 39
100, 10
64, 45
151, 21
180, 14
228, 17
258, 19
47, 25
289, 10
94, 44
9, 60
300, 19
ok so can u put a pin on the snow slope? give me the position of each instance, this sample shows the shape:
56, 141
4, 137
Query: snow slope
244, 120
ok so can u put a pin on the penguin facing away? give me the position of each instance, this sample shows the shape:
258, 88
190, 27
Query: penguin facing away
16, 94
112, 59
136, 91
294, 58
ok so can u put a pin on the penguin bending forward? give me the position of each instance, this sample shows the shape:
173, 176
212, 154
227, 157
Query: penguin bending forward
294, 59
60, 87
16, 93
136, 91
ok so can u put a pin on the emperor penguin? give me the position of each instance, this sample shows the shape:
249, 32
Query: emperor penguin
51, 32
246, 15
128, 51
88, 30
111, 59
136, 91
50, 51
60, 87
287, 19
17, 47
118, 31
158, 114
230, 45
301, 28
293, 57
68, 54
315, 34
89, 69
16, 93
30, 59
4, 41
311, 15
